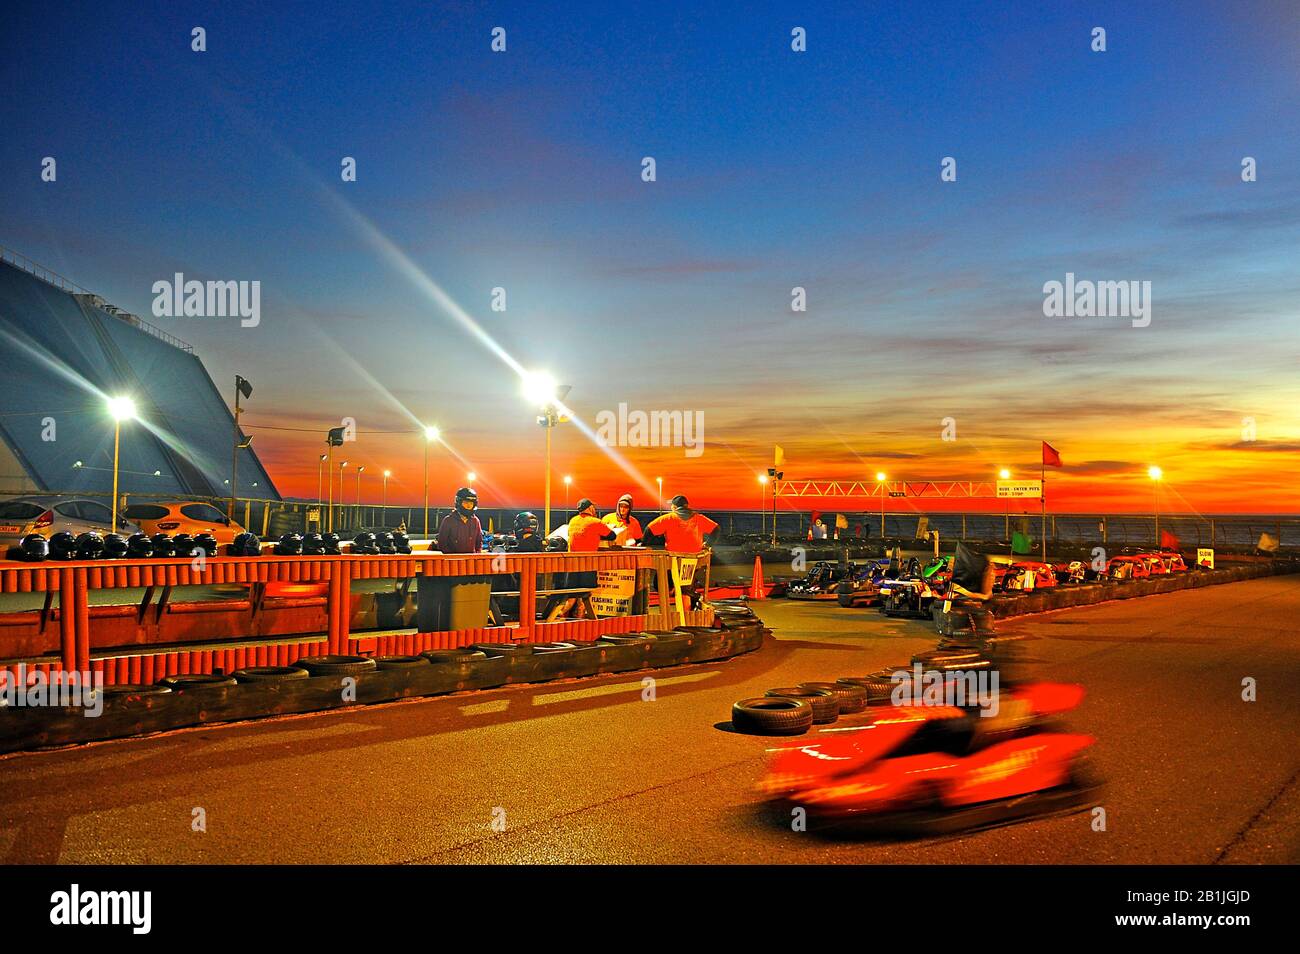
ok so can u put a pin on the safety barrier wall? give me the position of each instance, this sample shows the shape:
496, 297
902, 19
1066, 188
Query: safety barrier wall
143, 642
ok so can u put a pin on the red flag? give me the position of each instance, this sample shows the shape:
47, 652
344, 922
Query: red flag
1168, 541
1051, 457
815, 515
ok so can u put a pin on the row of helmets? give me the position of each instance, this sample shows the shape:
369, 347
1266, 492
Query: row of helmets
93, 545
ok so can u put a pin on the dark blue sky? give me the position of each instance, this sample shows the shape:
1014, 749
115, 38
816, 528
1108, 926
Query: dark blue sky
775, 169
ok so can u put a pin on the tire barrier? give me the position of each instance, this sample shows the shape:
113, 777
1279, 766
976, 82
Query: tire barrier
849, 698
256, 692
767, 715
825, 708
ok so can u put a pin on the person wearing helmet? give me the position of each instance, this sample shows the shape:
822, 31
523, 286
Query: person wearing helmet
461, 531
528, 533
627, 529
683, 530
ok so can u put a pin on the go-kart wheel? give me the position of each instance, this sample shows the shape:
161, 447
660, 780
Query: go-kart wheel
400, 662
771, 716
825, 708
848, 698
196, 680
269, 674
452, 655
336, 665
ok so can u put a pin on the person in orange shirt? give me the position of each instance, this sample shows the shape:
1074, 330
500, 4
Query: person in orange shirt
683, 529
627, 528
586, 532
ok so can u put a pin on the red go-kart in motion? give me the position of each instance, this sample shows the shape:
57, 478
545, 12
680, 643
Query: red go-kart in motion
934, 769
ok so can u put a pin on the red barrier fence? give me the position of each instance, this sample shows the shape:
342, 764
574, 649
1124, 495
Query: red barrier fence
145, 641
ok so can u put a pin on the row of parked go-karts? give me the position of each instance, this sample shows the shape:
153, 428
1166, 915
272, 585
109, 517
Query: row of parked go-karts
92, 545
908, 587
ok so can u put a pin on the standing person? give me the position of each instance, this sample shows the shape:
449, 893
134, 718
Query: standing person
627, 527
683, 529
461, 531
586, 531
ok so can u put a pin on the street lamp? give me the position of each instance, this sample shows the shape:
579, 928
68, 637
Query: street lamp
540, 389
471, 477
1004, 474
359, 471
567, 482
1155, 473
762, 503
122, 409
880, 479
387, 474
660, 481
342, 506
431, 434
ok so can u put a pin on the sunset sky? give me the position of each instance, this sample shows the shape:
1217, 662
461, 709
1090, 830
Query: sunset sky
775, 169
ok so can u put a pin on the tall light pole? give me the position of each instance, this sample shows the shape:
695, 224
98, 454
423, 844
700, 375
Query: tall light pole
359, 472
567, 482
1005, 474
320, 490
662, 503
540, 389
122, 409
1155, 473
342, 505
880, 479
242, 387
471, 477
762, 503
431, 434
387, 474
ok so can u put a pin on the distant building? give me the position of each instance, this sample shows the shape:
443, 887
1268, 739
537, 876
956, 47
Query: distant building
63, 352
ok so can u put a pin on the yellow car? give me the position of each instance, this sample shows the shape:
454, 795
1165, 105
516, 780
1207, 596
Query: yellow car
183, 516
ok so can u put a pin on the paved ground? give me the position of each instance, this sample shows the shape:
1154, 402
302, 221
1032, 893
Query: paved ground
589, 772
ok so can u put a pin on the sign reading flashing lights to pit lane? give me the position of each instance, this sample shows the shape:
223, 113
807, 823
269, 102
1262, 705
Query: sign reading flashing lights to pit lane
1020, 488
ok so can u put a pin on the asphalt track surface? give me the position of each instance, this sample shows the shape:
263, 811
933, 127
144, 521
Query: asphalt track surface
589, 771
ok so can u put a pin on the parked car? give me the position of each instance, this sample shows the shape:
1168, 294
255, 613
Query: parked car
184, 516
47, 515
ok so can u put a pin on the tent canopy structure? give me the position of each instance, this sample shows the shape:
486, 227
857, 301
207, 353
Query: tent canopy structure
64, 354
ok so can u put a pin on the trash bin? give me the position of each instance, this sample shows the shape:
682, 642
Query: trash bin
445, 603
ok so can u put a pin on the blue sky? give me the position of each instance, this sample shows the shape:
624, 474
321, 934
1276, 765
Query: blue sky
775, 169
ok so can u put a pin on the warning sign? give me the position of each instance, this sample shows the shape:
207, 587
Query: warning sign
613, 593
1020, 488
1205, 557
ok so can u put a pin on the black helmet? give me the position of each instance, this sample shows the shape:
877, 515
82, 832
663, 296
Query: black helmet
244, 544
401, 542
33, 548
163, 545
208, 544
114, 546
464, 494
526, 521
63, 546
183, 545
384, 540
312, 544
364, 542
290, 544
331, 542
139, 546
90, 545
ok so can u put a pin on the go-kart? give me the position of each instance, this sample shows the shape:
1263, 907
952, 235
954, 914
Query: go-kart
1028, 575
819, 584
933, 769
862, 587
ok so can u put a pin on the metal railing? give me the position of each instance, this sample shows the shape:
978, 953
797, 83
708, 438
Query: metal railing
51, 277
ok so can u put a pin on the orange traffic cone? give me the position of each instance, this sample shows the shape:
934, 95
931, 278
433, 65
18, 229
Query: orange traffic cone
756, 591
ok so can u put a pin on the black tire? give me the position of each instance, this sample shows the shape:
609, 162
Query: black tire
879, 686
825, 708
136, 689
630, 639
502, 649
551, 649
196, 680
457, 656
336, 665
767, 715
269, 674
400, 662
706, 630
849, 698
